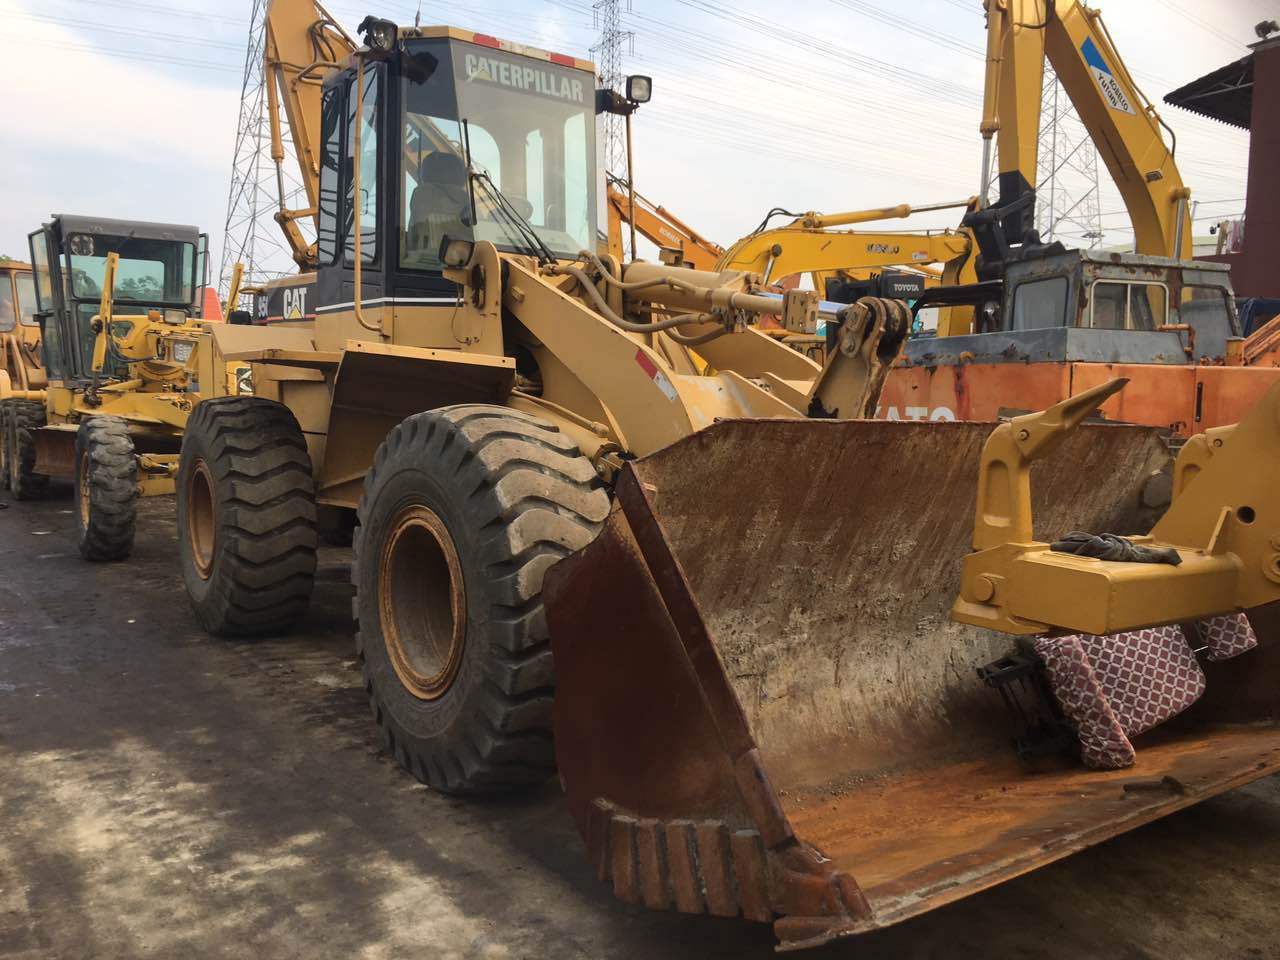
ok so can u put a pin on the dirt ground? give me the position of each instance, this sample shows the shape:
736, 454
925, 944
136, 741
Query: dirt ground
167, 794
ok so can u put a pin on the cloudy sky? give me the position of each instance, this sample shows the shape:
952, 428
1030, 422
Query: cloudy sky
129, 109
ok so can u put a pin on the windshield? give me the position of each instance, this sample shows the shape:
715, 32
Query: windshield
530, 126
8, 315
150, 271
27, 299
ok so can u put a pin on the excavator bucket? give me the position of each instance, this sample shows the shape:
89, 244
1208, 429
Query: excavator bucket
764, 709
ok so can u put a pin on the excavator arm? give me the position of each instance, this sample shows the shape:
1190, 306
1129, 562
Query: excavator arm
658, 225
784, 251
1123, 124
303, 42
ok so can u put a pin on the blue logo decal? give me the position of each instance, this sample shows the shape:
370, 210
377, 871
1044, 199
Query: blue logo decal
1092, 56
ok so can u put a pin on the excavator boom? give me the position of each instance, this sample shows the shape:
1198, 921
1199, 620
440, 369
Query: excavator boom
303, 43
658, 225
1122, 123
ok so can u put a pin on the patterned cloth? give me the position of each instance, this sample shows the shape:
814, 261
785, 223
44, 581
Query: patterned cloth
1103, 743
1227, 636
1116, 687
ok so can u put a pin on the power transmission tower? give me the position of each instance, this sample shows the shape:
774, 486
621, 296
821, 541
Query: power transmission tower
1068, 206
250, 233
608, 53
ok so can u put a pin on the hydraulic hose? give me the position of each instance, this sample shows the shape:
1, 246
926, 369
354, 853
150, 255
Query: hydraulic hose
697, 341
613, 281
580, 275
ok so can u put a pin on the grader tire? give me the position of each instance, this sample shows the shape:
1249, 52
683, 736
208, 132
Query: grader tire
4, 446
464, 510
23, 416
246, 517
106, 489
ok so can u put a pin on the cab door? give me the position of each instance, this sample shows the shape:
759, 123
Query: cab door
342, 202
56, 341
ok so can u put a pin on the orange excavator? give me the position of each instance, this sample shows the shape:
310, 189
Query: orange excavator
1045, 322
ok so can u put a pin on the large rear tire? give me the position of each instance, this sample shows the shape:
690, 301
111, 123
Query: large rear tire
246, 516
22, 418
106, 489
464, 510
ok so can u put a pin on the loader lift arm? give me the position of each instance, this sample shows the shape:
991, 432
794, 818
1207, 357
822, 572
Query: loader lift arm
1122, 123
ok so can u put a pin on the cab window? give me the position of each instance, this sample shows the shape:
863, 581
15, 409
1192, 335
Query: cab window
1117, 305
52, 347
8, 309
367, 202
1040, 303
330, 158
26, 299
527, 129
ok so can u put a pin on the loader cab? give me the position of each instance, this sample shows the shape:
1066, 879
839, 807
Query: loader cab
161, 269
434, 103
17, 298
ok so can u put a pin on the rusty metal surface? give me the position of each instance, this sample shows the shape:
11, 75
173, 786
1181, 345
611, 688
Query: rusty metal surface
55, 451
1183, 398
824, 559
921, 840
758, 648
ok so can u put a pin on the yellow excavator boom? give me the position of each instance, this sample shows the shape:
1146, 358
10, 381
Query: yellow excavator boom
1122, 123
303, 43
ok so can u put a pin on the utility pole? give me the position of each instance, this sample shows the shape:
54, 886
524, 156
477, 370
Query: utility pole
250, 233
1068, 205
608, 52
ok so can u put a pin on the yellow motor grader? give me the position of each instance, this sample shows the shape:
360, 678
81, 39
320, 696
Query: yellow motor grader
745, 625
126, 358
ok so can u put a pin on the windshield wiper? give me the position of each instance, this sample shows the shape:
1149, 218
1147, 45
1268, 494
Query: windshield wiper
525, 233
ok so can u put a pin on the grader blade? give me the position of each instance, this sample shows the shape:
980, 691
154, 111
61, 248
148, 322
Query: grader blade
764, 710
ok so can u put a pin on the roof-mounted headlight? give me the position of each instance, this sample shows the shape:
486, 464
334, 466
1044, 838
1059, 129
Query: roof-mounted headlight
639, 88
379, 34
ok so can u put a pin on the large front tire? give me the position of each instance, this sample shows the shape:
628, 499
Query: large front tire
106, 489
246, 516
463, 512
22, 418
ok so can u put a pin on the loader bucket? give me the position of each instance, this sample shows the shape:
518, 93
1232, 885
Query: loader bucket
764, 710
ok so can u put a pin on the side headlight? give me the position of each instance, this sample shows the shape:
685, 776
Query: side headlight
455, 253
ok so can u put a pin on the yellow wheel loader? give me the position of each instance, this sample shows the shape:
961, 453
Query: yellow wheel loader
19, 342
752, 630
125, 358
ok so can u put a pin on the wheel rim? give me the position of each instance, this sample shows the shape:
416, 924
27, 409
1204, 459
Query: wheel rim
82, 489
201, 529
422, 602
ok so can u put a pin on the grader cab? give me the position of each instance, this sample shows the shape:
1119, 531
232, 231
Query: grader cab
606, 526
125, 359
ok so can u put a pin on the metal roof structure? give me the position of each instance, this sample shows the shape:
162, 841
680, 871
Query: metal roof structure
1224, 94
